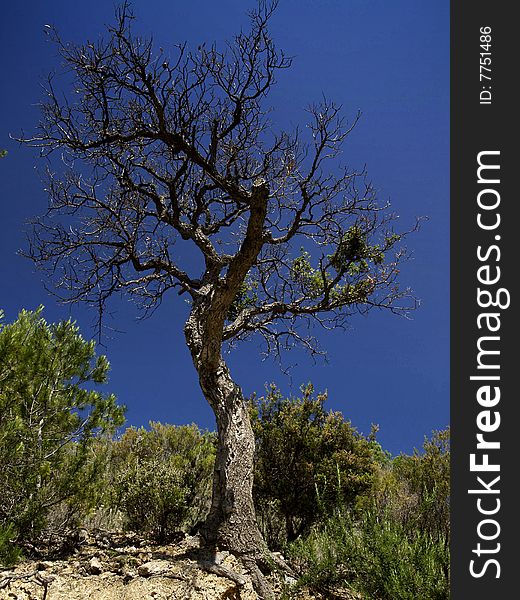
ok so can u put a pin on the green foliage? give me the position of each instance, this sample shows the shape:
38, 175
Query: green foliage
375, 557
425, 477
415, 490
3, 153
307, 462
352, 517
161, 478
354, 253
312, 281
50, 415
348, 280
9, 552
395, 545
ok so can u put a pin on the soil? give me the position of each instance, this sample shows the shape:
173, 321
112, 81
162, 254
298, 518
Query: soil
121, 566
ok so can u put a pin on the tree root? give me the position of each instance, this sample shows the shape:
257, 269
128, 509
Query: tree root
6, 580
38, 577
260, 583
275, 562
212, 566
255, 564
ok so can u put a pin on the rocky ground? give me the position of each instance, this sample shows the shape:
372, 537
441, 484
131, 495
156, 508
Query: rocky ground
122, 567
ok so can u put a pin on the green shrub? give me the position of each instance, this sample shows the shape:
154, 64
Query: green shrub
9, 552
153, 499
161, 478
308, 461
375, 557
425, 477
50, 417
395, 544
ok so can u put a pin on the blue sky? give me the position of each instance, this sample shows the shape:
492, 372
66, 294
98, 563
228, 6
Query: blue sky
390, 60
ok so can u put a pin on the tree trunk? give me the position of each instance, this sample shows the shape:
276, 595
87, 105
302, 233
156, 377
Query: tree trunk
231, 522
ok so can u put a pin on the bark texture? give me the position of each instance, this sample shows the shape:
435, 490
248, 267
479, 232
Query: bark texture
231, 522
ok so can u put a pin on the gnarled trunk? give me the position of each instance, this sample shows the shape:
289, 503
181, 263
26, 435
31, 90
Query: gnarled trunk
231, 522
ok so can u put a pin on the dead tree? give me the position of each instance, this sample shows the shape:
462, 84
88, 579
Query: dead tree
158, 158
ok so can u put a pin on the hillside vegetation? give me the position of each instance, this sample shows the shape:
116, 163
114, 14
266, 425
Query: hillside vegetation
347, 516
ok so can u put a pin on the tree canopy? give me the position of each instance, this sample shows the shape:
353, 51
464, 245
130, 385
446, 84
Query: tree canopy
169, 153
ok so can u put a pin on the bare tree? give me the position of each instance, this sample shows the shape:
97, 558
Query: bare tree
162, 158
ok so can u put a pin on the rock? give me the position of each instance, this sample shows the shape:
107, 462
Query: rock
95, 567
126, 549
83, 536
129, 574
135, 572
153, 567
